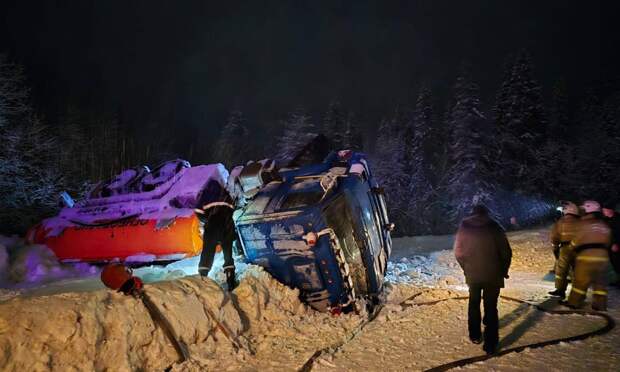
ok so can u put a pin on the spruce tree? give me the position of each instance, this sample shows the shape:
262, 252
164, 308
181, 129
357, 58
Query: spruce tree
14, 92
596, 149
353, 138
556, 156
468, 178
73, 152
298, 131
389, 168
30, 179
559, 120
231, 148
334, 125
418, 160
611, 149
520, 125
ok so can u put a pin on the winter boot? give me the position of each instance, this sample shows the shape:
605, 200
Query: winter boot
203, 271
490, 348
558, 293
231, 280
565, 303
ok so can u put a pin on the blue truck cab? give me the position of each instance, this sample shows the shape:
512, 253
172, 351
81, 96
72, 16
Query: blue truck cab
321, 228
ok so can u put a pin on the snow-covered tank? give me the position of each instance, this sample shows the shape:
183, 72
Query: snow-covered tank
322, 228
138, 216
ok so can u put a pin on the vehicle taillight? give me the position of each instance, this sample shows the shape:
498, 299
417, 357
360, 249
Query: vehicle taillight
336, 311
311, 238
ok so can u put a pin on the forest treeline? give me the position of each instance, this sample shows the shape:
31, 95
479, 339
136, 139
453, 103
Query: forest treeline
518, 153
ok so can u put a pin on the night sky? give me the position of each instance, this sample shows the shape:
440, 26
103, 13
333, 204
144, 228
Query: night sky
187, 63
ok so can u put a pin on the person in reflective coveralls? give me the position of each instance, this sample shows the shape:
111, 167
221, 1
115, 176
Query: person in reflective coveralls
219, 229
591, 244
562, 233
484, 254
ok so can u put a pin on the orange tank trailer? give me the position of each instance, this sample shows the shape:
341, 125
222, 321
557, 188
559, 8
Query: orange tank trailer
126, 239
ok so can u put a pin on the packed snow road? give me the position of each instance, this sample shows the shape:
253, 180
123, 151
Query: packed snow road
422, 337
269, 329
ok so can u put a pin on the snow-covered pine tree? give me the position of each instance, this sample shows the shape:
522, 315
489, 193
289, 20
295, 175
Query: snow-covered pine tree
14, 93
597, 148
73, 154
388, 167
353, 138
520, 125
231, 148
30, 179
298, 131
557, 155
611, 148
418, 160
468, 178
107, 146
559, 120
334, 125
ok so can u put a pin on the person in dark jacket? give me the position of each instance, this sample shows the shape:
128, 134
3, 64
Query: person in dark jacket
483, 251
219, 229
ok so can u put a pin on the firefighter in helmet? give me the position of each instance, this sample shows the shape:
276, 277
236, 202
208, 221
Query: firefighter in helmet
562, 232
219, 230
591, 244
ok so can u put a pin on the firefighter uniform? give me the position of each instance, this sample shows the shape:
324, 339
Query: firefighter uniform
591, 244
562, 233
219, 229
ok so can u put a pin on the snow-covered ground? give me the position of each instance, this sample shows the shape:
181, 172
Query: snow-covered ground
422, 337
89, 330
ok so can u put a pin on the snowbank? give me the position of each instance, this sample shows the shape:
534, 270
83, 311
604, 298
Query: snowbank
27, 266
102, 329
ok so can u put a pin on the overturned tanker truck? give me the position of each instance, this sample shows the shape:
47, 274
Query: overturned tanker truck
322, 228
139, 216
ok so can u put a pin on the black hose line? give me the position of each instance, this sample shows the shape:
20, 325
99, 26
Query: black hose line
609, 325
160, 320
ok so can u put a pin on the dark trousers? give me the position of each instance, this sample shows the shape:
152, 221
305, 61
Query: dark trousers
563, 266
489, 294
208, 253
614, 257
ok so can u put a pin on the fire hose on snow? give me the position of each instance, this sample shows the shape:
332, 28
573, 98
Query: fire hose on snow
609, 325
120, 278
